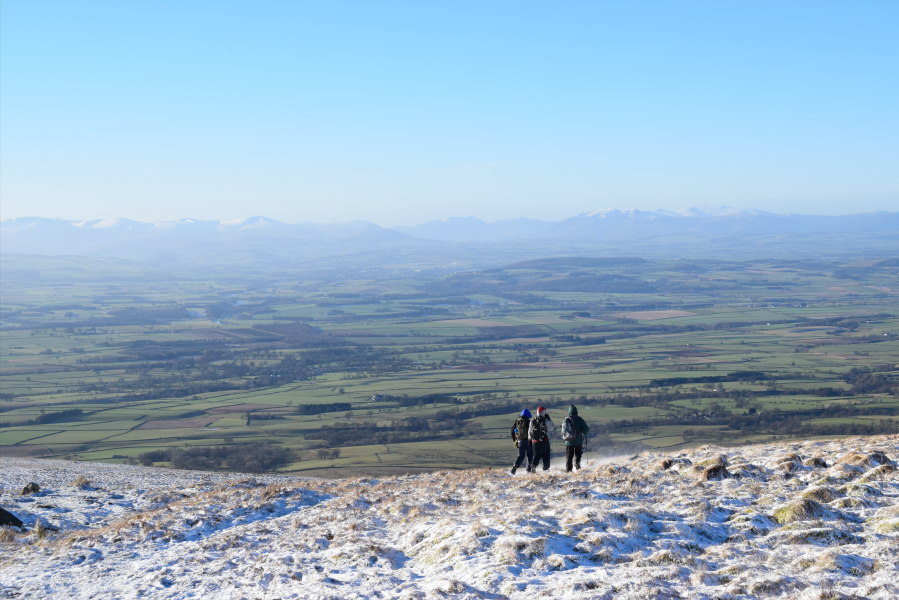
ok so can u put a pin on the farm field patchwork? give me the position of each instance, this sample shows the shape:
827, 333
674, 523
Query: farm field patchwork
391, 373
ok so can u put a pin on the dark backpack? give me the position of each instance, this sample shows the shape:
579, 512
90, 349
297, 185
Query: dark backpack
538, 429
521, 428
569, 430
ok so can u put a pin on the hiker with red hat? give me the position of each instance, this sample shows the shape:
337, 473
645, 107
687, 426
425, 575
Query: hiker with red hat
541, 429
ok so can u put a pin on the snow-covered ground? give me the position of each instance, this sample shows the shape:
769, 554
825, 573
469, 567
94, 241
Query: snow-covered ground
793, 520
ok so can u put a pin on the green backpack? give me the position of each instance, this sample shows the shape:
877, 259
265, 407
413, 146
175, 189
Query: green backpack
522, 425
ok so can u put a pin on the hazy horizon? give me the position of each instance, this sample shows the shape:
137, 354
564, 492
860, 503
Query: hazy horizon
687, 212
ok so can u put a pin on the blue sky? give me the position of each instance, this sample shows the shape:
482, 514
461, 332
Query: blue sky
401, 112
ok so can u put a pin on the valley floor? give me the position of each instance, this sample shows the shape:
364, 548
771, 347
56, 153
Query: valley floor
793, 520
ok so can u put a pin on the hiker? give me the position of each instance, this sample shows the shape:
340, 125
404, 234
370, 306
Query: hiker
520, 436
574, 434
541, 429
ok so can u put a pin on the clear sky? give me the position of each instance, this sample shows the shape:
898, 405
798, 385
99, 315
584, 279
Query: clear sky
401, 112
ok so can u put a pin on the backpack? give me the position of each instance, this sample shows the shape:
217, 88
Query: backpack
521, 429
538, 429
569, 431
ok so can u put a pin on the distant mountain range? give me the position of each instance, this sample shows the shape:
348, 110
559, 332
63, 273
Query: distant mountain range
263, 236
614, 224
134, 239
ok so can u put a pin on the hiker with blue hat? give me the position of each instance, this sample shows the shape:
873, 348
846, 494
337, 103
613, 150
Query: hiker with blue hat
522, 440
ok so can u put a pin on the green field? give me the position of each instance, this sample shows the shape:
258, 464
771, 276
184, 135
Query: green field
657, 354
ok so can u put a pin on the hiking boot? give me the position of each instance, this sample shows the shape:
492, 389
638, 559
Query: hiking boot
514, 469
578, 467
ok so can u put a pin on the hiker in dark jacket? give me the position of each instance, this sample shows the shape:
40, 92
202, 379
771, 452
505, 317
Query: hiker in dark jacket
542, 428
574, 434
520, 430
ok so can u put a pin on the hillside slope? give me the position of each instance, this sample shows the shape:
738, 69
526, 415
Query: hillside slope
793, 520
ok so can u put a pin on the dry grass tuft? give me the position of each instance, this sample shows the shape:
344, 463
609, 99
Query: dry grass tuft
803, 509
697, 577
611, 470
715, 472
850, 503
820, 493
879, 457
856, 459
82, 482
7, 536
826, 591
270, 492
39, 529
721, 459
815, 462
878, 473
844, 471
31, 488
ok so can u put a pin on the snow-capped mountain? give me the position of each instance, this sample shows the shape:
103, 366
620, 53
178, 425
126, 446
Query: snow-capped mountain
130, 239
127, 238
717, 211
614, 224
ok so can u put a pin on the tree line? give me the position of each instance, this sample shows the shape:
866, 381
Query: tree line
245, 458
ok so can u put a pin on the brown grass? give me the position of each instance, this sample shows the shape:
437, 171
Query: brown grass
820, 493
803, 509
240, 408
881, 458
509, 366
185, 424
25, 451
655, 315
473, 323
610, 470
856, 459
715, 472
